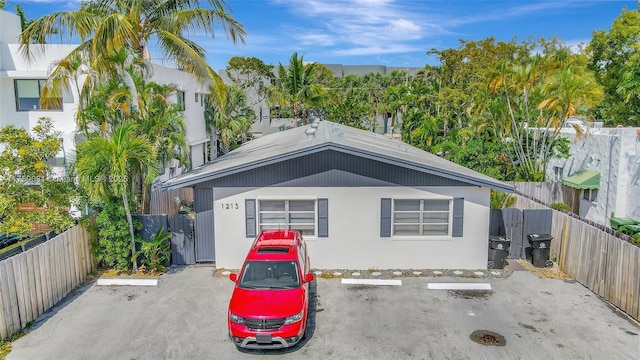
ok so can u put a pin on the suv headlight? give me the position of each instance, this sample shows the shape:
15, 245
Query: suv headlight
293, 319
235, 318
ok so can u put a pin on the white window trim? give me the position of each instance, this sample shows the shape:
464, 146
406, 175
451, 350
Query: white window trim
441, 237
590, 195
287, 199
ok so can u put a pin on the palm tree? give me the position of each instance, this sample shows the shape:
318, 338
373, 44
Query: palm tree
107, 161
105, 27
297, 87
232, 117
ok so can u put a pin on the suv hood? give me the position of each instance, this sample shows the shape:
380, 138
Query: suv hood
264, 303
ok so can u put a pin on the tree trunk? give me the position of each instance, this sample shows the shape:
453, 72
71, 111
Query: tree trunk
133, 239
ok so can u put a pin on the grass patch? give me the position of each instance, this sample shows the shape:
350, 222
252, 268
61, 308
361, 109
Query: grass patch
143, 272
5, 344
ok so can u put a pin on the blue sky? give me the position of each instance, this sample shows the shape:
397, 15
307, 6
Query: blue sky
385, 32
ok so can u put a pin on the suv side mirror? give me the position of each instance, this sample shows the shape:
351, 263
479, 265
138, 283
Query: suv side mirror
233, 277
308, 277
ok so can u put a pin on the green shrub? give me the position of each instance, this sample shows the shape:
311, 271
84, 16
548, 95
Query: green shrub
155, 252
500, 200
561, 207
114, 241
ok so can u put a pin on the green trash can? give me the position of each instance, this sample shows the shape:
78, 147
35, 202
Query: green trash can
620, 223
631, 229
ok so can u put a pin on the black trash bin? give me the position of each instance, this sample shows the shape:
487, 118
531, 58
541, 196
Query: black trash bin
540, 249
498, 251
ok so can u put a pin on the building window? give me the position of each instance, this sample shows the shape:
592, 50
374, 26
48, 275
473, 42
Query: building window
197, 97
557, 173
590, 194
28, 96
288, 214
180, 100
421, 217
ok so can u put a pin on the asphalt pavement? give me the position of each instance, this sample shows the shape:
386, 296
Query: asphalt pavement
184, 317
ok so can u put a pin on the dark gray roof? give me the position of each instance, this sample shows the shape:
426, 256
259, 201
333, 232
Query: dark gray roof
293, 143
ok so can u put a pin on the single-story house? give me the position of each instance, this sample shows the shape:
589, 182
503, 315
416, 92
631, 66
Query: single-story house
361, 200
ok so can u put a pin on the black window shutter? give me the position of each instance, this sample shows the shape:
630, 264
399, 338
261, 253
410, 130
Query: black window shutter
250, 217
385, 217
323, 217
458, 217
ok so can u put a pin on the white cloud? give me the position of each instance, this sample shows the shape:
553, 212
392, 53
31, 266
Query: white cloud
316, 39
373, 50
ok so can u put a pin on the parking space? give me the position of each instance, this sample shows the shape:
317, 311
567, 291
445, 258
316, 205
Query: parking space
184, 317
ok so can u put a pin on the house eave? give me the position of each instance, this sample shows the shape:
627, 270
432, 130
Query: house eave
190, 181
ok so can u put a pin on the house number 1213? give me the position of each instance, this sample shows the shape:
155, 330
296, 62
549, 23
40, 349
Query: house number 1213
229, 206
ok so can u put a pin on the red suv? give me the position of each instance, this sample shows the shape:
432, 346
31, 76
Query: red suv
268, 308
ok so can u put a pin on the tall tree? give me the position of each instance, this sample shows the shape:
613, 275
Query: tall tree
613, 58
105, 27
230, 116
297, 87
106, 163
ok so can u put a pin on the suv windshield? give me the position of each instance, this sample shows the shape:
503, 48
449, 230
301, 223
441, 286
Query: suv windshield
270, 275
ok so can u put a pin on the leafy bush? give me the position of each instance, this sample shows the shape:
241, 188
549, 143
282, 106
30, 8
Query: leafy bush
500, 200
561, 207
155, 252
114, 242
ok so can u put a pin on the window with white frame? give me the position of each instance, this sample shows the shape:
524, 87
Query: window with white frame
28, 95
180, 100
288, 214
425, 217
557, 173
590, 194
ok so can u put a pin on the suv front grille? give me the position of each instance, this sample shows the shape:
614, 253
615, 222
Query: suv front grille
264, 324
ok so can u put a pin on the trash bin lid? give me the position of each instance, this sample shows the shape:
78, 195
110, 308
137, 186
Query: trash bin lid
539, 237
499, 238
633, 228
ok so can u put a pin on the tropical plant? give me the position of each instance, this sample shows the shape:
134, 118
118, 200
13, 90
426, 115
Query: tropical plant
155, 252
229, 116
26, 176
107, 27
297, 88
107, 162
560, 207
113, 248
501, 200
613, 58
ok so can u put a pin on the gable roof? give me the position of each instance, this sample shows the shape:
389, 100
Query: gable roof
297, 142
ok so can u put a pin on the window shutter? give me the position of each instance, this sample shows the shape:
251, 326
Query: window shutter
458, 217
323, 217
385, 217
250, 217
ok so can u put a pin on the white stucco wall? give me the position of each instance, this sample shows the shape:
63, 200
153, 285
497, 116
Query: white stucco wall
615, 153
354, 240
193, 112
13, 65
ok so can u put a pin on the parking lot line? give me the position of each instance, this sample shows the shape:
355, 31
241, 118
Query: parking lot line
371, 282
459, 286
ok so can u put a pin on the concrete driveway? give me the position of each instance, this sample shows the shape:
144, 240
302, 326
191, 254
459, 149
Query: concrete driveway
184, 317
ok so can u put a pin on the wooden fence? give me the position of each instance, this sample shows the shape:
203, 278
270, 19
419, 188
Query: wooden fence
550, 192
34, 281
164, 201
603, 262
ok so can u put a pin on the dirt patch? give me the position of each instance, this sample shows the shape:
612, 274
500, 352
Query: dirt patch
486, 337
550, 273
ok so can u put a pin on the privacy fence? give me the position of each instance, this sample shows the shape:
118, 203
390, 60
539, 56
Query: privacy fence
596, 257
34, 281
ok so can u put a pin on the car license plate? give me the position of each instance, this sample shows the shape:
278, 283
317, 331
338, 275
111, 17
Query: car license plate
263, 338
